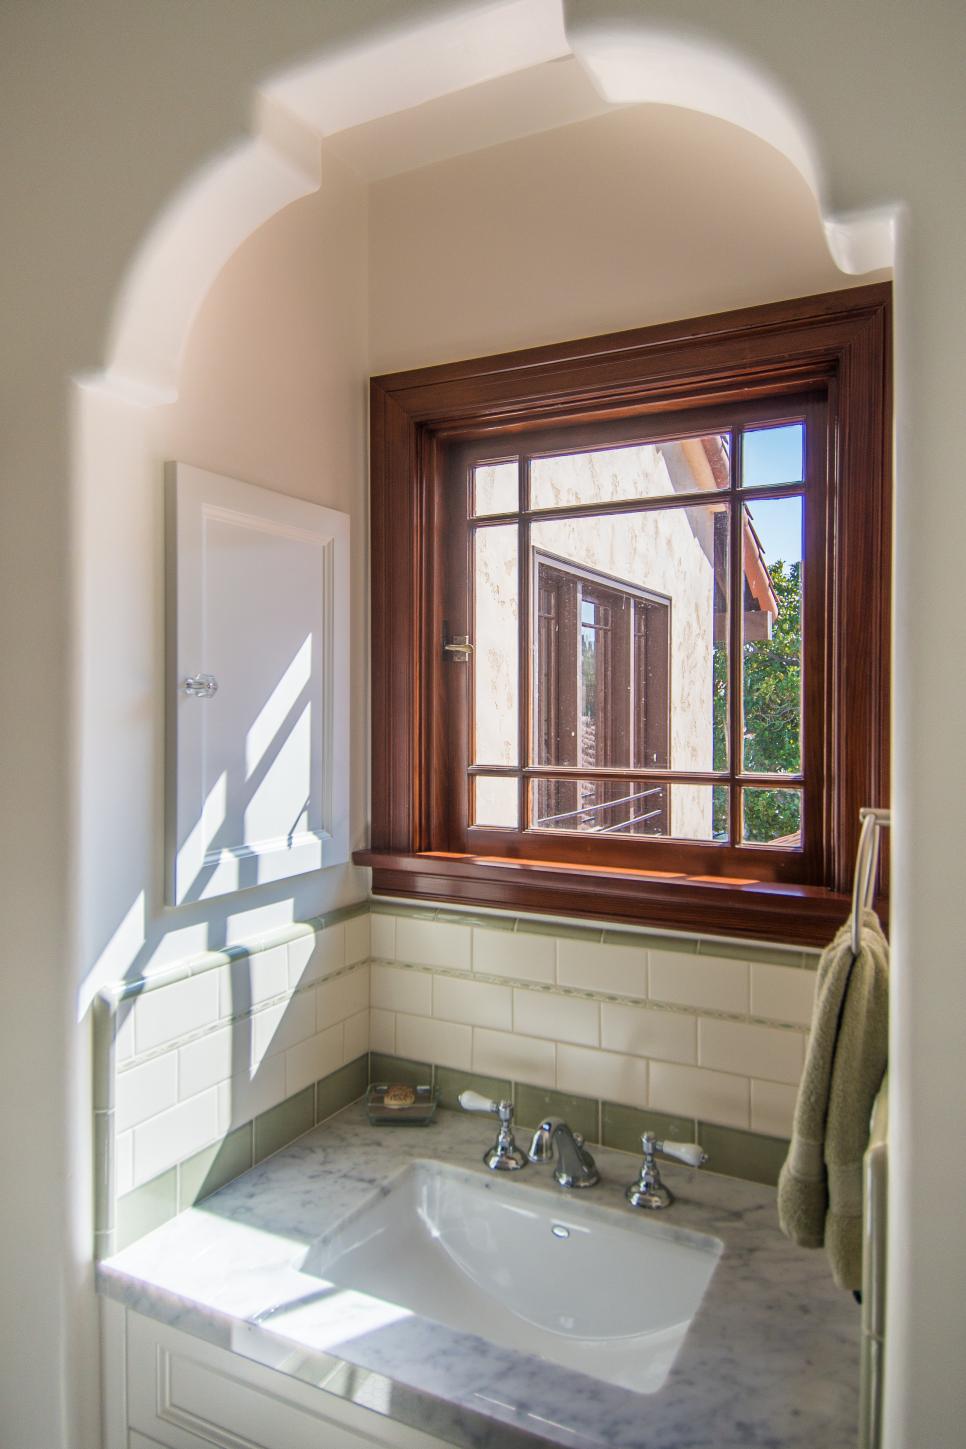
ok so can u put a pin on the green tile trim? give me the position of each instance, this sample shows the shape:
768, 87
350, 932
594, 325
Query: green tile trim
450, 1083
102, 1054
533, 1104
402, 908
146, 1208
340, 1088
340, 913
204, 1173
280, 1125
385, 1068
734, 950
105, 1245
486, 923
211, 960
103, 1171
686, 945
742, 1154
550, 928
623, 1127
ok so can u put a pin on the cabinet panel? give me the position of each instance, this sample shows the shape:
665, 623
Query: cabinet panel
184, 1393
258, 685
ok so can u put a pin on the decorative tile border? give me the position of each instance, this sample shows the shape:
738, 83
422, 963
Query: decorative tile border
731, 1151
566, 929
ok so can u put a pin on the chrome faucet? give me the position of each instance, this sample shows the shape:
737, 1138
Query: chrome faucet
575, 1166
504, 1155
649, 1191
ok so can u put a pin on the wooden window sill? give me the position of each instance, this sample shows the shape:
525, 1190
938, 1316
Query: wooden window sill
703, 905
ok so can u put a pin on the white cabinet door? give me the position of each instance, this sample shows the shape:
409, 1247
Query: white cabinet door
258, 685
186, 1394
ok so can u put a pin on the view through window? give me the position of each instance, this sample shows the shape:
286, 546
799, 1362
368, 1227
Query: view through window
636, 617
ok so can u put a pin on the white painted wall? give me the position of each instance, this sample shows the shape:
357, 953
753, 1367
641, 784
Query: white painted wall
108, 110
272, 392
638, 216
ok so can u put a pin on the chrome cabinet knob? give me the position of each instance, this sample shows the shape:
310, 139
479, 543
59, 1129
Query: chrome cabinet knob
200, 686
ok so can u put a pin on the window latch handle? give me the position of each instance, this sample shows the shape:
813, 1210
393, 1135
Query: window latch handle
459, 647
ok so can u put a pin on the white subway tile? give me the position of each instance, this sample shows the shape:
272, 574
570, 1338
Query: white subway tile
175, 1135
355, 1036
671, 1036
170, 1012
601, 1074
209, 1059
478, 1003
521, 1058
772, 1108
757, 1051
144, 1091
382, 937
357, 939
396, 989
123, 1162
424, 1040
382, 1031
343, 996
710, 983
518, 954
692, 1092
310, 958
782, 993
244, 1097
433, 943
620, 970
276, 1028
312, 1059
561, 1018
253, 980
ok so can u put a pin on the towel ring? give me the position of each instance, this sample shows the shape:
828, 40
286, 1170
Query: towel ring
866, 865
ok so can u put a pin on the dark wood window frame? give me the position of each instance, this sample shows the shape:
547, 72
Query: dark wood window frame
838, 343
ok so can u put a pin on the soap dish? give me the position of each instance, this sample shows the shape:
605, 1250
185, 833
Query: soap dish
419, 1111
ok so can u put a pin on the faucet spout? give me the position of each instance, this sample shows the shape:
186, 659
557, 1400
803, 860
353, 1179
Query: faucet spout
554, 1139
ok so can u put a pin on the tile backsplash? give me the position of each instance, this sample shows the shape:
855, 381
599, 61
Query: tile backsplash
206, 1068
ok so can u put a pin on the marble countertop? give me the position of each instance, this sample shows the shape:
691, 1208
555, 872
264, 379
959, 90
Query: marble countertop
771, 1360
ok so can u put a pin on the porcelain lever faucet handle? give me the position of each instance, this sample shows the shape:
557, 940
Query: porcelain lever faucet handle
504, 1155
649, 1191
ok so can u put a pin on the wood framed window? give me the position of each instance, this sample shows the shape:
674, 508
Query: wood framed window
668, 553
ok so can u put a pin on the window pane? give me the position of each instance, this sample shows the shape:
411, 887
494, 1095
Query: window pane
772, 455
625, 808
630, 624
772, 817
496, 488
497, 801
495, 651
772, 636
643, 470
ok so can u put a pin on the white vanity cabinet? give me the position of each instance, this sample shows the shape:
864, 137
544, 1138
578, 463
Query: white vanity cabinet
166, 1388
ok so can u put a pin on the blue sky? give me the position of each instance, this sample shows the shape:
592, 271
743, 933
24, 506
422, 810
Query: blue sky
774, 455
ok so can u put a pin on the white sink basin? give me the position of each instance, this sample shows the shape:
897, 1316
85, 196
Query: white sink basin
593, 1290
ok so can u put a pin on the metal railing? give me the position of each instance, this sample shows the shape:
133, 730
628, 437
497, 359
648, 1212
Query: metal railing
590, 810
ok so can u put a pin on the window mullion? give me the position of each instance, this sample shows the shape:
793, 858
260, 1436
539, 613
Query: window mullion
525, 634
736, 604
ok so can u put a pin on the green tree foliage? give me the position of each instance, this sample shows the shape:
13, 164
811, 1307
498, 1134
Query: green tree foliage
772, 670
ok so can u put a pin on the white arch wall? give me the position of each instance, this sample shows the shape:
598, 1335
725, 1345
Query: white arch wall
109, 115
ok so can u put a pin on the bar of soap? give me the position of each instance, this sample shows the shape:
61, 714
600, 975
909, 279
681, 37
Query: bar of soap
399, 1095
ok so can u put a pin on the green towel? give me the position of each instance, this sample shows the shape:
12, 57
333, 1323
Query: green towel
820, 1185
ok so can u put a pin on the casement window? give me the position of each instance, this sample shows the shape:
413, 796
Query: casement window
630, 611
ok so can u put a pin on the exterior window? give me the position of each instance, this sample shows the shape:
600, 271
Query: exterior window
635, 610
630, 610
